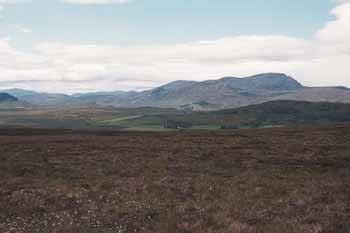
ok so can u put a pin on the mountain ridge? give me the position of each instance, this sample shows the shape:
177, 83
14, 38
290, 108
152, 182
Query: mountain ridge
226, 92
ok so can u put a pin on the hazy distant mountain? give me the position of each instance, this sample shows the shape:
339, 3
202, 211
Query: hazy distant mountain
49, 100
41, 99
5, 97
8, 101
228, 92
57, 100
103, 98
20, 92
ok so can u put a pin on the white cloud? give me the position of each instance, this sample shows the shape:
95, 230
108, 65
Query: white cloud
337, 30
3, 2
8, 2
323, 60
23, 29
340, 1
96, 2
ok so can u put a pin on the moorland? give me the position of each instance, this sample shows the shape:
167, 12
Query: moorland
249, 181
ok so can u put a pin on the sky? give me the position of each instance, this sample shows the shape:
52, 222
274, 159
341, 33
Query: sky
72, 46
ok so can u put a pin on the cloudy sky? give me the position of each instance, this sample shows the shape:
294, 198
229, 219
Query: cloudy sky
92, 45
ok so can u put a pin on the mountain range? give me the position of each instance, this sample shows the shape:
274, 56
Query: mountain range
227, 92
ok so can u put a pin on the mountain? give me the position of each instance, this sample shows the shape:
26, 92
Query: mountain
265, 82
59, 100
5, 97
48, 100
227, 92
8, 101
20, 92
41, 99
103, 98
230, 92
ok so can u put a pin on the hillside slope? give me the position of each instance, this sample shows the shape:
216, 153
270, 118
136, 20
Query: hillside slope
270, 114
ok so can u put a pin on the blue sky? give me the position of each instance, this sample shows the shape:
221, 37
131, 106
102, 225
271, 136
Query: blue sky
159, 21
90, 45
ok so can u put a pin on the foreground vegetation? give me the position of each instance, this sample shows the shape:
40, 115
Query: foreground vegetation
292, 180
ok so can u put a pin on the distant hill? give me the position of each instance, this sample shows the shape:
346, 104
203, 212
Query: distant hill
20, 92
289, 113
5, 97
60, 100
41, 99
227, 92
270, 114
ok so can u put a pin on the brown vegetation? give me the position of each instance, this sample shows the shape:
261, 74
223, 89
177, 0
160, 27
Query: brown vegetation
252, 181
